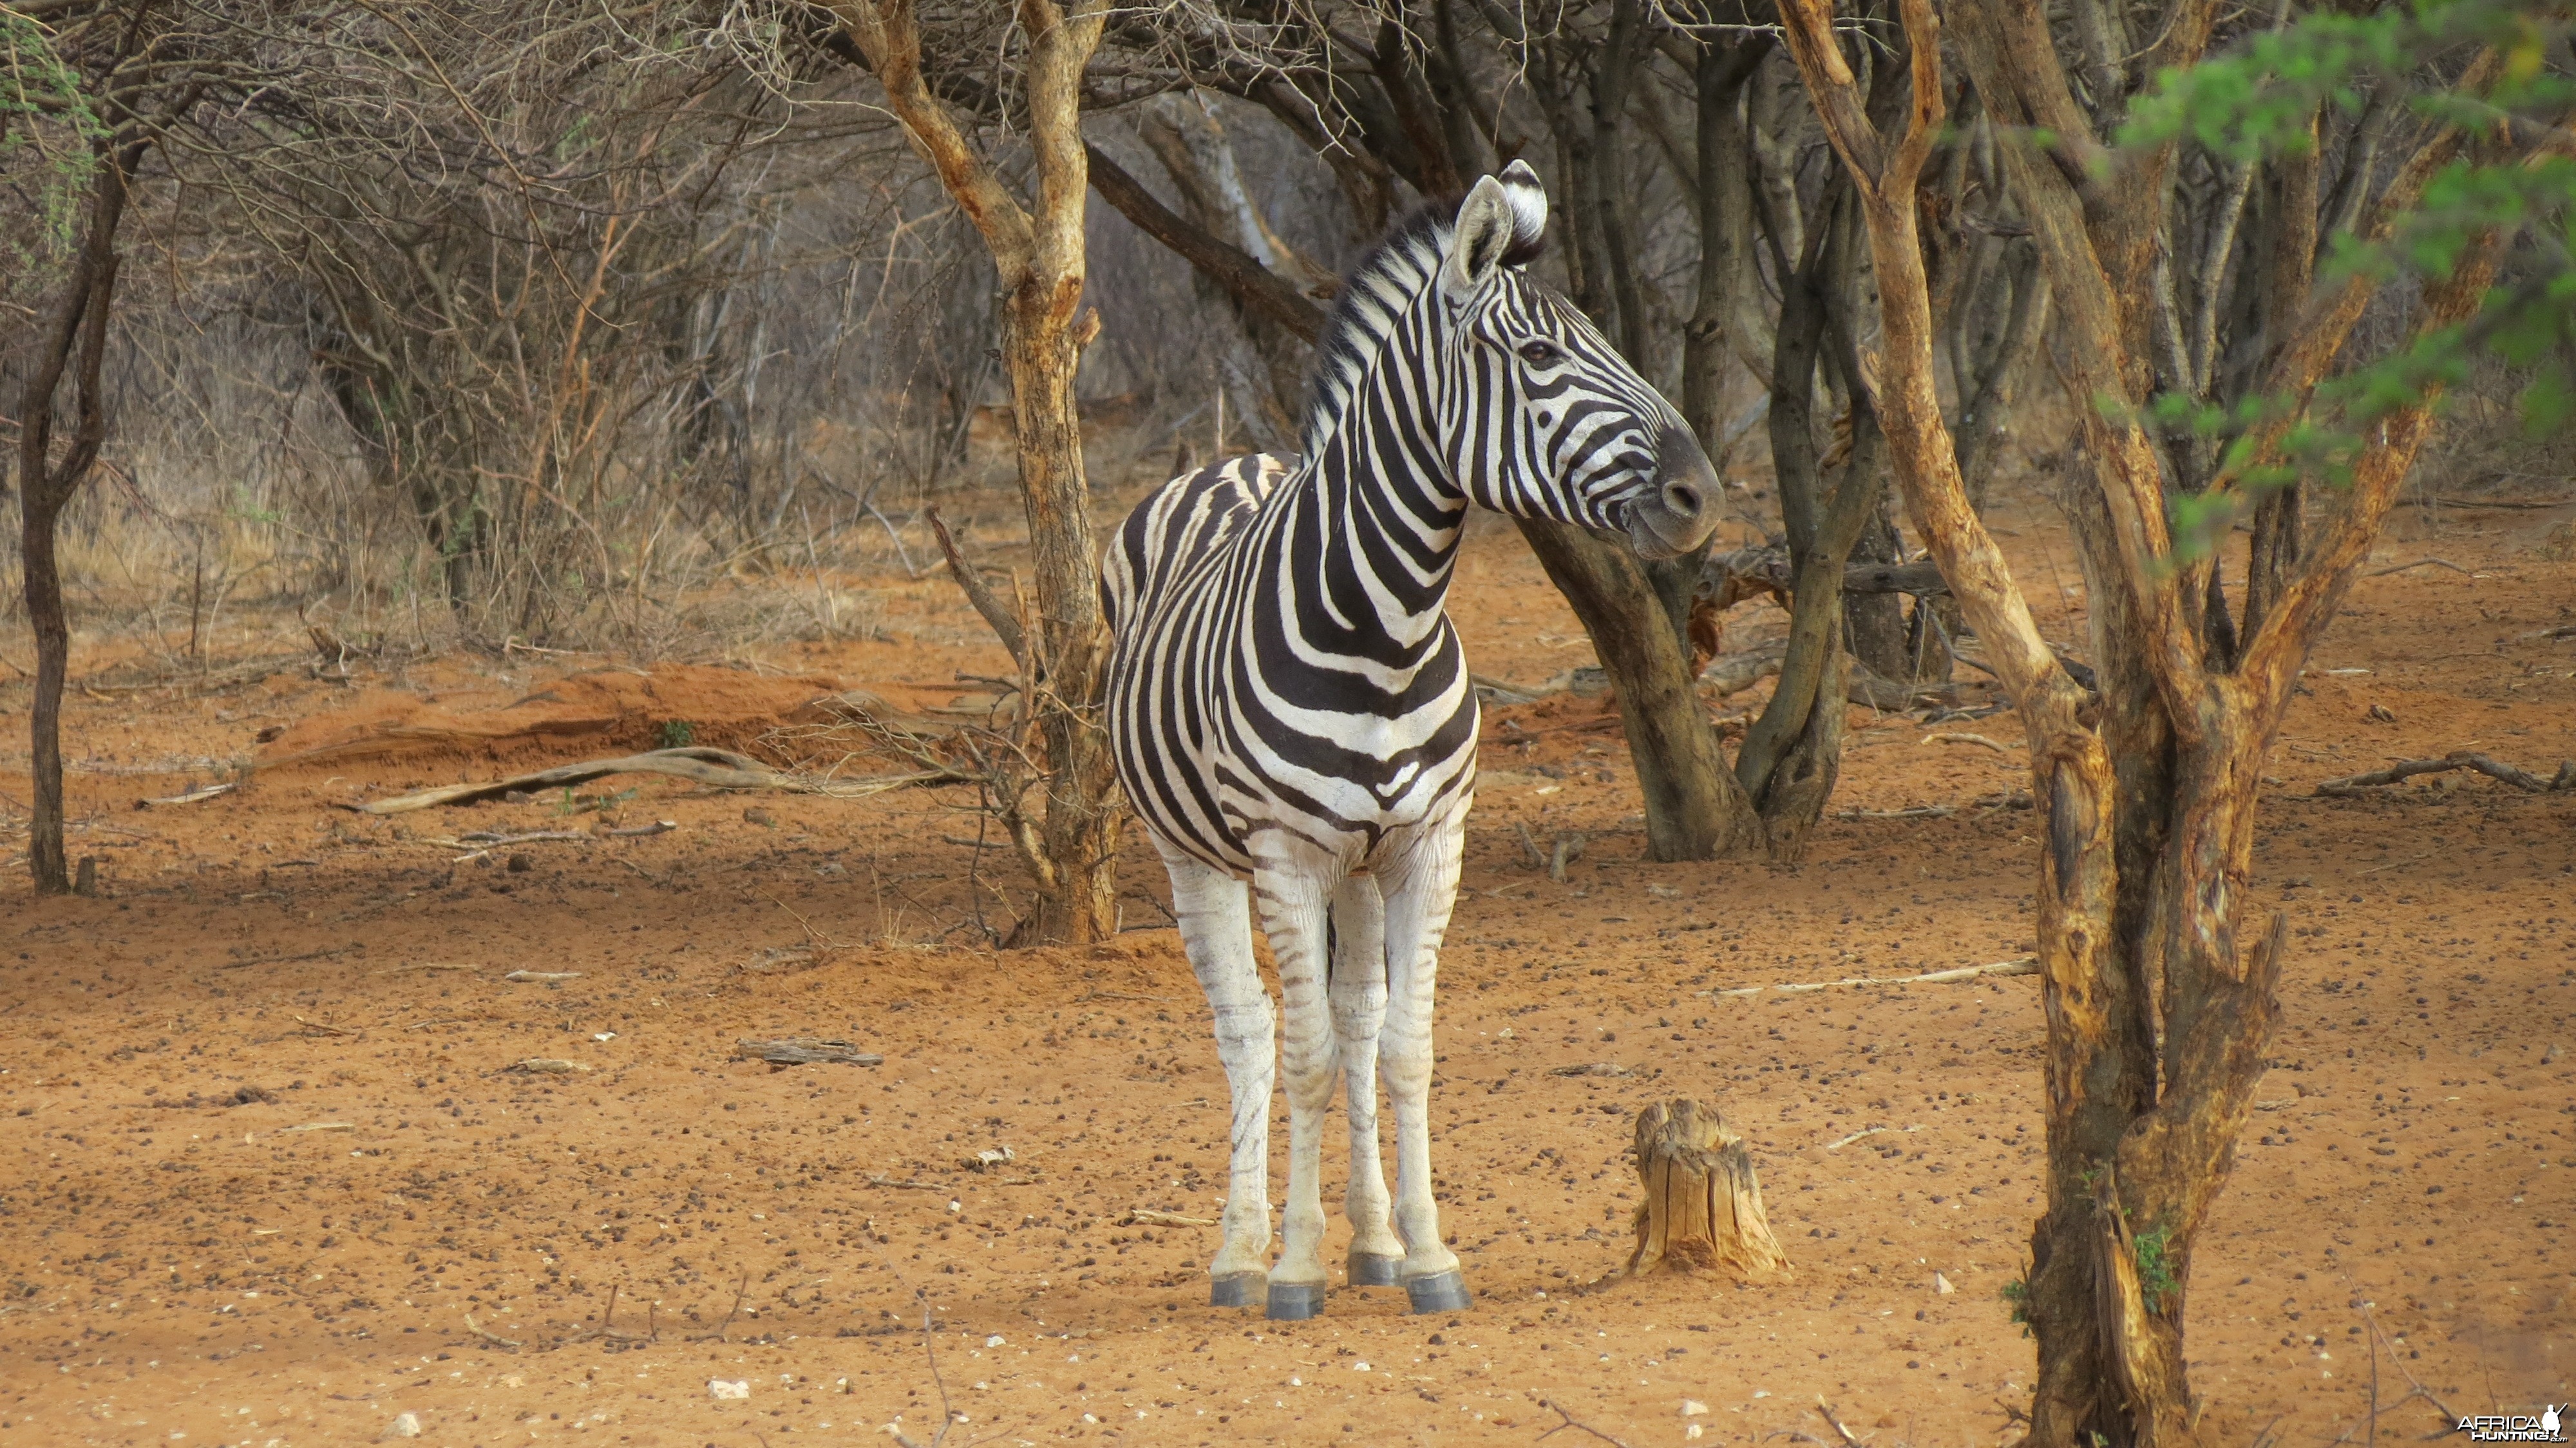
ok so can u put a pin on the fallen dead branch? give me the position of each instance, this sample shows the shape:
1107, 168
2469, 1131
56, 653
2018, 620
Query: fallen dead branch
334, 951
806, 1051
486, 843
1575, 1423
494, 1338
202, 792
1910, 812
1596, 1068
547, 1066
427, 965
1947, 737
715, 768
1148, 1217
322, 1028
541, 977
2418, 563
492, 839
2026, 965
1825, 1411
2493, 768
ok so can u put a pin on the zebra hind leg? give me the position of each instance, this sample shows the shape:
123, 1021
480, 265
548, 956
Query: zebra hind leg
1216, 929
1420, 891
1293, 910
1358, 992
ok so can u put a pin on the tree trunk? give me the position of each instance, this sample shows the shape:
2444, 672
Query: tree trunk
1614, 73
1078, 893
2140, 1132
1695, 810
74, 341
1792, 754
1038, 250
46, 862
1725, 235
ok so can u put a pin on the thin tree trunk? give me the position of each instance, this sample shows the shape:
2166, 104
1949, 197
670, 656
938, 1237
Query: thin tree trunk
1078, 894
1792, 752
1038, 249
1614, 72
75, 341
1725, 235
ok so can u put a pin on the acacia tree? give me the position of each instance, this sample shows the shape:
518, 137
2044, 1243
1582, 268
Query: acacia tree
2160, 995
1037, 247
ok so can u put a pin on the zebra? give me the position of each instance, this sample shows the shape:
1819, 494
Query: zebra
1291, 713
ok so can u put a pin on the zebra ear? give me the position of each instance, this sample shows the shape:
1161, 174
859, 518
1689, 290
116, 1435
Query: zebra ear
1478, 242
1529, 212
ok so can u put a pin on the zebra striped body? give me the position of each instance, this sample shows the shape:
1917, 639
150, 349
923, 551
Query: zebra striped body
1290, 707
1275, 679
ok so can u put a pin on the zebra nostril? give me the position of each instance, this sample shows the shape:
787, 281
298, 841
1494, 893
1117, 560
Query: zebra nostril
1682, 498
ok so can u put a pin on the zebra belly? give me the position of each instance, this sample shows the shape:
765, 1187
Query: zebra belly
1340, 820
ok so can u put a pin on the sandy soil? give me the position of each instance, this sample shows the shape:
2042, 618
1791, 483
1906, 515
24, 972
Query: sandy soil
272, 1180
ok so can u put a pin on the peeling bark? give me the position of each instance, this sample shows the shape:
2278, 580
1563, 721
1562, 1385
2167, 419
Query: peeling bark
1038, 250
2145, 863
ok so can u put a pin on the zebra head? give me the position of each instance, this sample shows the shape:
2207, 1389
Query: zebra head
1550, 421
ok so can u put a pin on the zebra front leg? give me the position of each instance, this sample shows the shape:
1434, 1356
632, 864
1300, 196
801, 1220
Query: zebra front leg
1216, 929
1358, 992
1293, 912
1420, 890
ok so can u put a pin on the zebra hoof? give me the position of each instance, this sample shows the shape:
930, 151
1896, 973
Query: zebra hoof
1295, 1301
1367, 1269
1439, 1292
1235, 1289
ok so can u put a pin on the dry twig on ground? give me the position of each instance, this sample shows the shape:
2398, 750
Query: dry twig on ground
2493, 768
1575, 1423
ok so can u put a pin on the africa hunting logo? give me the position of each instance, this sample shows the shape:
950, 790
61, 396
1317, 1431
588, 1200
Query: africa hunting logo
2542, 1427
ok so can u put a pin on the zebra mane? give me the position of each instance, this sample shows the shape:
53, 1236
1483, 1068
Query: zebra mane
1380, 288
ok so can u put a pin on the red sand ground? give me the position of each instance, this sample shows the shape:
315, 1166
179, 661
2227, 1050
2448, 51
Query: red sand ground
184, 1265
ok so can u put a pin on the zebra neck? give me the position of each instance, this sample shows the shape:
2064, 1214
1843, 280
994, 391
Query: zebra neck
1376, 520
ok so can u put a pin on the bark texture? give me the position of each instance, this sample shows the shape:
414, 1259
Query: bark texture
2159, 1000
1702, 1209
1037, 248
1695, 809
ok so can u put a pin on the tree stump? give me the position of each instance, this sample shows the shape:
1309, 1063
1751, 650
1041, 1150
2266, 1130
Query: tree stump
1703, 1206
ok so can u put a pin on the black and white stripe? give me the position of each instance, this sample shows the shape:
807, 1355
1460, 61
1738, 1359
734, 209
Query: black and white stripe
1289, 703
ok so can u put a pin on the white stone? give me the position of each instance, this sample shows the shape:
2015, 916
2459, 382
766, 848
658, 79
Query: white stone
405, 1425
1693, 1407
1942, 1285
725, 1392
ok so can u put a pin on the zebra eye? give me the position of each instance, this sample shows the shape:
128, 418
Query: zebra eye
1540, 353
